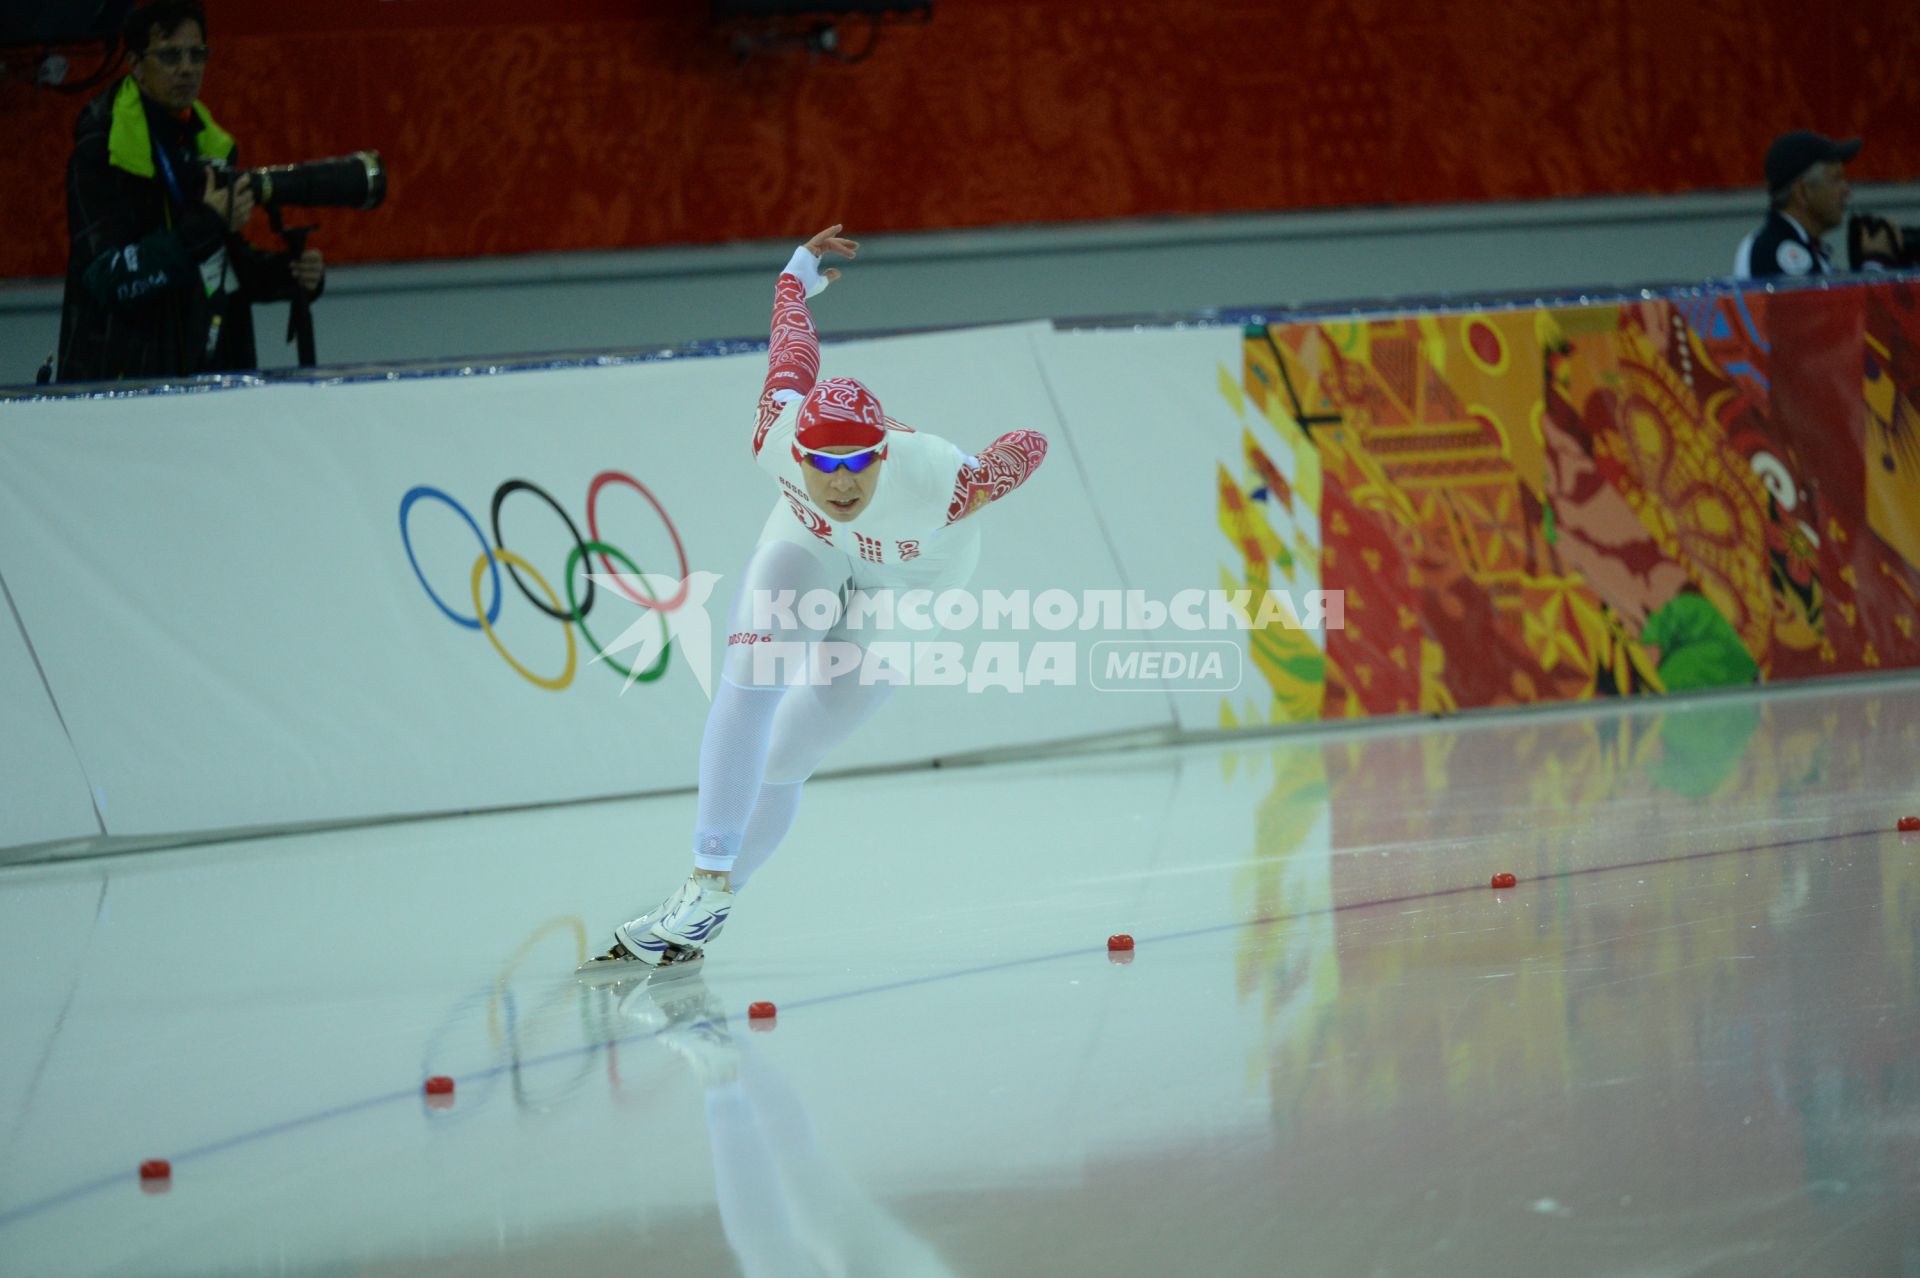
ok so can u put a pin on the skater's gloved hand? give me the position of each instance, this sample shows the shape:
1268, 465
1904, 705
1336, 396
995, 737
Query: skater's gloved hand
805, 263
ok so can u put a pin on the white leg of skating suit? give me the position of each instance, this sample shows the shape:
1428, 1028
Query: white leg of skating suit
773, 814
733, 748
810, 723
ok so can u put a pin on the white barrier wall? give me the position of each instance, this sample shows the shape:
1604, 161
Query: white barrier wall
43, 792
261, 605
1155, 414
221, 593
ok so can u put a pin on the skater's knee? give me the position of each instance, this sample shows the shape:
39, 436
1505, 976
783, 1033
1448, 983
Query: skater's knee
798, 746
789, 763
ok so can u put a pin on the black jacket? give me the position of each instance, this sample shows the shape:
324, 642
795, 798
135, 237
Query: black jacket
1780, 248
136, 303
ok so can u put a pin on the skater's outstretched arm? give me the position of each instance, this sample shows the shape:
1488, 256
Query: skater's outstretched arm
793, 351
1001, 467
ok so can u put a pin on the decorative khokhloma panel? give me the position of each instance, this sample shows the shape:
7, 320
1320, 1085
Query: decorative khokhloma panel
1537, 505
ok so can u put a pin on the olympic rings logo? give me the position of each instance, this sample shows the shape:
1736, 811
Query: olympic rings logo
574, 613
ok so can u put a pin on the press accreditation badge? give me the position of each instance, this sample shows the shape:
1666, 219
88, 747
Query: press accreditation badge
213, 272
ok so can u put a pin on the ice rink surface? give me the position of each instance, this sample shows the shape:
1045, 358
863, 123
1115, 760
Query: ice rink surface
1688, 1042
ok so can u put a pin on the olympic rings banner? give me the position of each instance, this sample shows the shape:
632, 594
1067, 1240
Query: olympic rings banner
579, 603
290, 603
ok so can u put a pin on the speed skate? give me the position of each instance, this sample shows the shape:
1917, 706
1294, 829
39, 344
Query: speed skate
673, 935
619, 965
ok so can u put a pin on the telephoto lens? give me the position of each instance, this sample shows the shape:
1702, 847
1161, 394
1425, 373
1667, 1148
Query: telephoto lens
357, 181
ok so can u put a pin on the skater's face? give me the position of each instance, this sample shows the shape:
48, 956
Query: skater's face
843, 494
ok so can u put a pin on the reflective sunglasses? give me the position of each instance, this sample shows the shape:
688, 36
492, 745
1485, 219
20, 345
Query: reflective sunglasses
172, 55
854, 463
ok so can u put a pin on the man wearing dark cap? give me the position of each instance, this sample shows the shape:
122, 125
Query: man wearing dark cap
1808, 192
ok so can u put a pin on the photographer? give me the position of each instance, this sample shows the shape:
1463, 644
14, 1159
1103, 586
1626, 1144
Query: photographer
160, 281
1808, 193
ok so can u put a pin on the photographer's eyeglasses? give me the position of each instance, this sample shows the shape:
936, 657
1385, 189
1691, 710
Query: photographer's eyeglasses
171, 55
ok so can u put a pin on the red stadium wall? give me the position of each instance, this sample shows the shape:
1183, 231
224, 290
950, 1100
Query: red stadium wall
512, 127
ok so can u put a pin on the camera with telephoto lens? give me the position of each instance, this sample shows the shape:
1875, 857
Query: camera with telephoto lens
357, 181
1905, 248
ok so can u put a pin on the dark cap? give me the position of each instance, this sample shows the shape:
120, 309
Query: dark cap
1792, 154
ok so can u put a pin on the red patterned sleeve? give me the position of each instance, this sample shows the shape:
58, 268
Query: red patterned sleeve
793, 354
1000, 468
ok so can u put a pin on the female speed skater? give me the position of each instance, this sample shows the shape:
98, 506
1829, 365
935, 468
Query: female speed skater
867, 505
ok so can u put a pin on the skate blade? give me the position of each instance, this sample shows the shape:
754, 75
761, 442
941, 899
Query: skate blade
632, 969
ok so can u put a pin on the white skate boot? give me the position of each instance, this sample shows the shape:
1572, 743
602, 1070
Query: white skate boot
673, 934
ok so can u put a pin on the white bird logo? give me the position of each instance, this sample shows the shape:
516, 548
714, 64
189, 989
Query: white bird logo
687, 622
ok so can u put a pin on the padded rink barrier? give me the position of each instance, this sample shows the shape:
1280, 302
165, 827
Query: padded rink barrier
284, 603
1537, 502
43, 793
290, 601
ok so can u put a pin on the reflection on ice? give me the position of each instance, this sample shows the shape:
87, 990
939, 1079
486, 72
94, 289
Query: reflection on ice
1687, 1042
